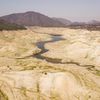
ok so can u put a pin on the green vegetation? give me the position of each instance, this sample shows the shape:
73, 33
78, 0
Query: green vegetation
3, 96
97, 72
10, 26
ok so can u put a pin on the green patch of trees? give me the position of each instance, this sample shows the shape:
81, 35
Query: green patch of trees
10, 26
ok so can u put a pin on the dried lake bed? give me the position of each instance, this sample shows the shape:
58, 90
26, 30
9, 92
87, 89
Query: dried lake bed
50, 64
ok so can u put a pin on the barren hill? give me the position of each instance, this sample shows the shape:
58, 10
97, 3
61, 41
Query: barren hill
31, 19
63, 20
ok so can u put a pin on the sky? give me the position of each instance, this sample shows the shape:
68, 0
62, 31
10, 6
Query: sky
75, 10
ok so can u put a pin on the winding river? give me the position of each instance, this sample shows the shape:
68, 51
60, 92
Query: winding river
41, 45
55, 38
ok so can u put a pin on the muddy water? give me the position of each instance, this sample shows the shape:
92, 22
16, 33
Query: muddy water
41, 45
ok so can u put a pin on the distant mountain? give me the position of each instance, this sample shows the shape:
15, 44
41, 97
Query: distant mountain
91, 22
63, 20
91, 25
31, 19
94, 22
78, 23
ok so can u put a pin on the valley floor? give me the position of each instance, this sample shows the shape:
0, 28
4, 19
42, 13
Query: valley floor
65, 65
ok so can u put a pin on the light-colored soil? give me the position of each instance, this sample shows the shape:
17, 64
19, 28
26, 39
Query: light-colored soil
23, 77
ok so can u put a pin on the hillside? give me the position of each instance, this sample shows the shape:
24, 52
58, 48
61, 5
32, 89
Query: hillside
63, 20
31, 19
94, 22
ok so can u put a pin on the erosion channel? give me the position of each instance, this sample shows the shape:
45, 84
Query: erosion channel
41, 45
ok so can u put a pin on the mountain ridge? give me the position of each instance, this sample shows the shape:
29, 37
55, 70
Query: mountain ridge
31, 18
63, 20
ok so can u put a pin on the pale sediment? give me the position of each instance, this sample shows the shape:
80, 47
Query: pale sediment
74, 75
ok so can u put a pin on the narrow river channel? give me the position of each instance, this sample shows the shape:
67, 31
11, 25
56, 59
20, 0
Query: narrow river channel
41, 45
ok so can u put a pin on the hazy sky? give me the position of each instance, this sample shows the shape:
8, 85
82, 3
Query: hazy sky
76, 10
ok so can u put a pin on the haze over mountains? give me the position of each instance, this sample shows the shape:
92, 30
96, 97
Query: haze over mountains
32, 18
62, 20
